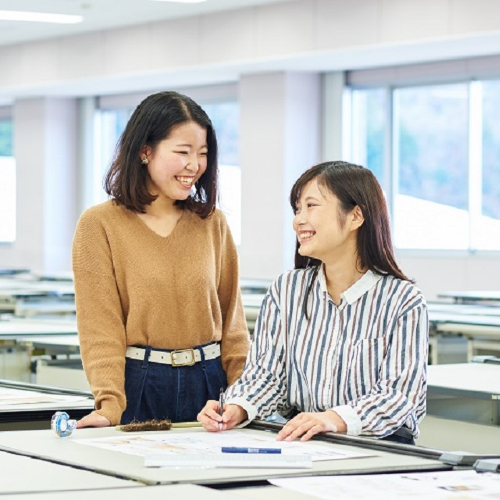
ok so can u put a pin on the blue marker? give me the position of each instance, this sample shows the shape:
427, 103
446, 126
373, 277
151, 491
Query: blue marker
233, 449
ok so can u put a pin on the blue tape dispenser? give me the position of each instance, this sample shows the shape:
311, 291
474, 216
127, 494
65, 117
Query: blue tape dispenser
61, 424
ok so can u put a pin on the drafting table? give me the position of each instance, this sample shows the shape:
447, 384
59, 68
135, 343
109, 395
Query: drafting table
12, 272
450, 434
26, 474
471, 297
46, 445
37, 415
465, 391
251, 305
29, 297
167, 492
480, 325
259, 286
14, 328
21, 337
160, 492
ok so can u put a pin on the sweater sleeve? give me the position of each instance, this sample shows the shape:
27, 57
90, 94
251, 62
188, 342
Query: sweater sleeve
235, 337
100, 320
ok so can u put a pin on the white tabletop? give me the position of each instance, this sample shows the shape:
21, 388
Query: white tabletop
13, 328
467, 377
25, 474
158, 492
476, 295
45, 444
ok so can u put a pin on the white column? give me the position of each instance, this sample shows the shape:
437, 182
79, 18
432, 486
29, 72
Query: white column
335, 130
280, 139
44, 148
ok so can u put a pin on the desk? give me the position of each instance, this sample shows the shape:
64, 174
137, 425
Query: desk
38, 415
161, 492
259, 286
451, 434
471, 297
46, 445
479, 325
32, 297
13, 328
25, 474
465, 391
19, 337
251, 305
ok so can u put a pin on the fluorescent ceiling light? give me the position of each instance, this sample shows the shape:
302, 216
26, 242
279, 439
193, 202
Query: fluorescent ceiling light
181, 1
39, 17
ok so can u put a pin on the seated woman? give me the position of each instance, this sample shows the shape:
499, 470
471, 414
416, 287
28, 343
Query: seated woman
341, 342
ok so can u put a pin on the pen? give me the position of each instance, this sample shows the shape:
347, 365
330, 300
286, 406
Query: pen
221, 405
233, 449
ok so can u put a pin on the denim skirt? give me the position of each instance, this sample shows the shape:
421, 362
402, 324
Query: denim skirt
178, 393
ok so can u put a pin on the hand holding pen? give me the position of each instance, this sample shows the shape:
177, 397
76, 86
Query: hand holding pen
221, 407
218, 415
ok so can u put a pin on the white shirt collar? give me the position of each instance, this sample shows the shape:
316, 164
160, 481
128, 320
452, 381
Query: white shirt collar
355, 291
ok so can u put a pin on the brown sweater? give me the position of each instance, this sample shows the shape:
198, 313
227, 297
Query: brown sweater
134, 287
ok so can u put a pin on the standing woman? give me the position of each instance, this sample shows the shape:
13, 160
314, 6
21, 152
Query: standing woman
160, 319
341, 341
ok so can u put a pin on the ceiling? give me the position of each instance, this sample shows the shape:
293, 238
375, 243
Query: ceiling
103, 14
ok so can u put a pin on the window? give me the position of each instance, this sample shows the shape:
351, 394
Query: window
369, 130
490, 185
440, 144
225, 119
7, 183
431, 167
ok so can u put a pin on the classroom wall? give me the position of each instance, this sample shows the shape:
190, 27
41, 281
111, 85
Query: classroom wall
275, 53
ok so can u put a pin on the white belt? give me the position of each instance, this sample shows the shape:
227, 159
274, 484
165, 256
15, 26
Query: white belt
181, 357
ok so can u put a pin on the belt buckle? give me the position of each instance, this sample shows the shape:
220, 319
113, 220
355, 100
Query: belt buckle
190, 362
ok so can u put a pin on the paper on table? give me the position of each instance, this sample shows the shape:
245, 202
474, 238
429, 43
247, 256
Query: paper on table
206, 443
463, 485
10, 398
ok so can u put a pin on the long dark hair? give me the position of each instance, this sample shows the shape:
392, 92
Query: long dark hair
150, 123
355, 185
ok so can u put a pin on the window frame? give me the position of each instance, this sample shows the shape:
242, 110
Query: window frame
382, 81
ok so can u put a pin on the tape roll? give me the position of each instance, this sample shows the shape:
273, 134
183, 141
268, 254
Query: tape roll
61, 424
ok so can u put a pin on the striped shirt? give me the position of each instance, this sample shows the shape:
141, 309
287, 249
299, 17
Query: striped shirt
365, 359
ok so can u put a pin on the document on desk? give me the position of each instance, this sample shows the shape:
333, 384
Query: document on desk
463, 485
204, 443
10, 398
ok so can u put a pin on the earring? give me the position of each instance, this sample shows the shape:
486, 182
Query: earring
145, 160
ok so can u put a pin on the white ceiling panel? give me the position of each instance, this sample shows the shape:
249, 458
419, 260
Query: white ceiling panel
104, 14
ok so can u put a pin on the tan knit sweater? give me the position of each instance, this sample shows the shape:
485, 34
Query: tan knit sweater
134, 287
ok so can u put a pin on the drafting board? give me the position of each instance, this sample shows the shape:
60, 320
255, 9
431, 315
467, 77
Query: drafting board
45, 444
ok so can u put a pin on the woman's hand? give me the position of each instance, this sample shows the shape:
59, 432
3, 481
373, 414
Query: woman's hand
306, 425
93, 420
213, 422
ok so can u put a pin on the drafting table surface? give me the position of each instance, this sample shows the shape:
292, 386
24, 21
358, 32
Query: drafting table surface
69, 341
158, 492
469, 379
465, 391
15, 328
45, 444
461, 296
455, 435
38, 415
25, 474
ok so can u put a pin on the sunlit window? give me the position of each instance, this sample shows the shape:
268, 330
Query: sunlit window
369, 124
441, 151
7, 184
431, 165
489, 233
